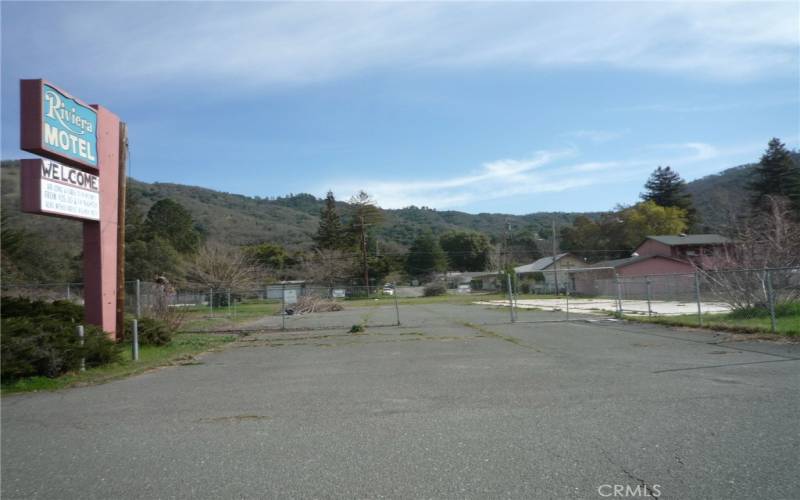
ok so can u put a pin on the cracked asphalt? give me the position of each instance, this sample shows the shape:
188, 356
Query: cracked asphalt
458, 404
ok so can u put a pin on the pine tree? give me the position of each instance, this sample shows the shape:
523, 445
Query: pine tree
364, 214
666, 188
776, 175
329, 234
169, 220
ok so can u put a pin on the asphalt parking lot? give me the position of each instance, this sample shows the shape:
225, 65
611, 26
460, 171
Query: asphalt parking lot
449, 408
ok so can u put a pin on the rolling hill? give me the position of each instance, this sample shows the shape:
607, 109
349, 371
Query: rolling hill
292, 220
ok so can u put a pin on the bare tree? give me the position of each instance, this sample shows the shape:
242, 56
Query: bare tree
217, 266
766, 239
330, 266
163, 293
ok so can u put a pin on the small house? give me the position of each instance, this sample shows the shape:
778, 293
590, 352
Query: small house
698, 249
545, 270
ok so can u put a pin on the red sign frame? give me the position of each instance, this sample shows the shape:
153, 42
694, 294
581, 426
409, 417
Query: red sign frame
32, 122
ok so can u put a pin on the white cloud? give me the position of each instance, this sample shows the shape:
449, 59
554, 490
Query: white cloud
276, 43
597, 136
543, 172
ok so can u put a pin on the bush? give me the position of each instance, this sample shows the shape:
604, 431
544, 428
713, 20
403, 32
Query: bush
151, 331
781, 310
39, 338
433, 289
20, 307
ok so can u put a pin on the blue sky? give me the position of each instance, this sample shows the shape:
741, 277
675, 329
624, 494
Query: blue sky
513, 107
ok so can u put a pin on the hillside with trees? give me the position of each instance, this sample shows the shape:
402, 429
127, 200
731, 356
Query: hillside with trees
169, 224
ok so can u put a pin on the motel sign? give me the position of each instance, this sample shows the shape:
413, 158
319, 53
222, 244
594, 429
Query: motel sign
82, 177
65, 128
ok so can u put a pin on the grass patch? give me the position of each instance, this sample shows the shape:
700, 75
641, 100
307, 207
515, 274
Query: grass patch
180, 351
199, 319
731, 322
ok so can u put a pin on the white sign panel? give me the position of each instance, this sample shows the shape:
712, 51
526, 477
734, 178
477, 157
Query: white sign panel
68, 191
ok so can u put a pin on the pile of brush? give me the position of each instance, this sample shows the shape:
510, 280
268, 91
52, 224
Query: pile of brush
310, 304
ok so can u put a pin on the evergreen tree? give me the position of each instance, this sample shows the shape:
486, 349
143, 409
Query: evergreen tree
466, 250
666, 188
329, 234
169, 220
425, 256
365, 214
776, 175
148, 253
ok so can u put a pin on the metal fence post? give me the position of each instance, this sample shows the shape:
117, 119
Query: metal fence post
396, 306
510, 296
68, 292
566, 296
229, 302
80, 336
283, 306
211, 300
697, 298
135, 343
771, 301
649, 307
138, 299
619, 293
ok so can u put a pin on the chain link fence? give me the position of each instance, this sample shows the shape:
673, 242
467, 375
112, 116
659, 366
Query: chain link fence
753, 296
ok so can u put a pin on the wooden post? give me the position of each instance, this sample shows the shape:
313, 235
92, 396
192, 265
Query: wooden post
123, 160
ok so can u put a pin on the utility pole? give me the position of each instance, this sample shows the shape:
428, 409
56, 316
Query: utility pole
555, 263
506, 260
121, 189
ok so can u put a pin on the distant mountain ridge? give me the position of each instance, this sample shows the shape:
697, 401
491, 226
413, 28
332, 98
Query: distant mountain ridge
292, 220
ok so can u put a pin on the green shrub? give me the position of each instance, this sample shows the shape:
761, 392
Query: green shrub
40, 338
42, 345
434, 288
781, 310
356, 328
20, 307
151, 331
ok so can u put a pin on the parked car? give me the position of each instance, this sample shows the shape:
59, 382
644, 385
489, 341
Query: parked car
388, 289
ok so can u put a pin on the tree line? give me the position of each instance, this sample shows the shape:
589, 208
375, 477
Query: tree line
348, 249
666, 207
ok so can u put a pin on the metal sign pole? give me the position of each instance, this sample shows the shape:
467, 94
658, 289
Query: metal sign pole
80, 335
649, 307
135, 344
138, 299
